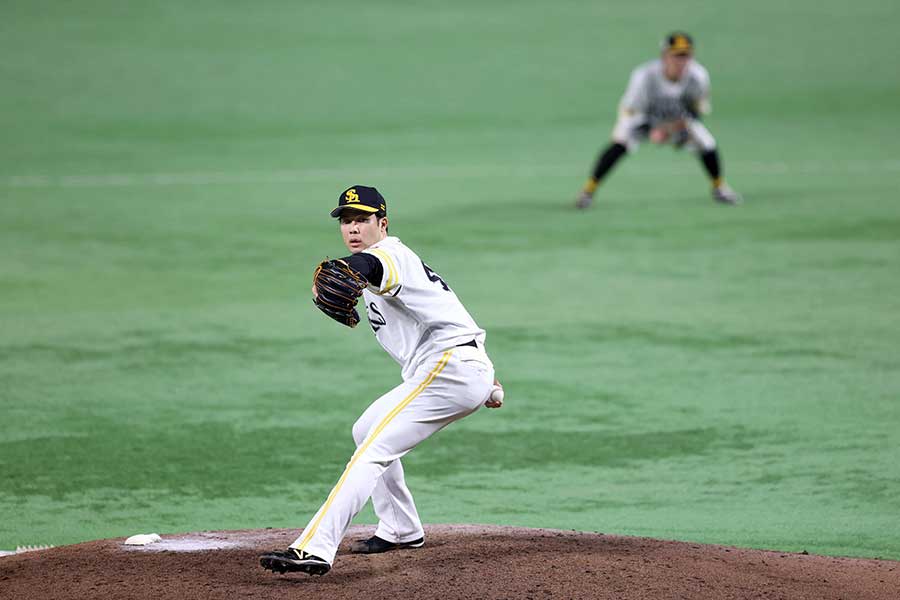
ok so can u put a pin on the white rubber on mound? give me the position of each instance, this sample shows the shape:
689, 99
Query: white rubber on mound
143, 539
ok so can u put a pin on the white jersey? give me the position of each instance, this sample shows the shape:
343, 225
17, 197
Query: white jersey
414, 313
651, 95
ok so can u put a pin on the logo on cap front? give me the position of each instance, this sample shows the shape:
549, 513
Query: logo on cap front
351, 195
680, 42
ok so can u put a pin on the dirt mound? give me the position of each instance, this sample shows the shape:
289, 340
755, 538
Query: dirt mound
458, 561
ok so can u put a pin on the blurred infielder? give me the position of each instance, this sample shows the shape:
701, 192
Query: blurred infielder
664, 101
446, 373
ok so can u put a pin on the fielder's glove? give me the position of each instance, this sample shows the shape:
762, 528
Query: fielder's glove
337, 289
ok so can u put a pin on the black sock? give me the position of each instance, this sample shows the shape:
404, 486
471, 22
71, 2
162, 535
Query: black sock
711, 164
608, 159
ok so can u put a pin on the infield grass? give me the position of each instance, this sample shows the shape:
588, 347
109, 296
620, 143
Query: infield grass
673, 368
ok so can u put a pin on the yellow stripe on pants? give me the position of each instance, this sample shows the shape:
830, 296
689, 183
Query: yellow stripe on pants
359, 451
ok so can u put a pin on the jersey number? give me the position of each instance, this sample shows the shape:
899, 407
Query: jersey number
376, 319
434, 276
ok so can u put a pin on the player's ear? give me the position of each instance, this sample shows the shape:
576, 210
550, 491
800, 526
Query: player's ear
383, 223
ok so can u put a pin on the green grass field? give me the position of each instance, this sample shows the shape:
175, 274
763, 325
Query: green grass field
674, 368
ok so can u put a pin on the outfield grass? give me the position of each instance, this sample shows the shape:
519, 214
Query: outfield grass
673, 368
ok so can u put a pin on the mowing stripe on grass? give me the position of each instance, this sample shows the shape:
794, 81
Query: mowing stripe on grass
200, 178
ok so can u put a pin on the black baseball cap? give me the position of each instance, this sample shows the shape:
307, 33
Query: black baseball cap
678, 42
361, 198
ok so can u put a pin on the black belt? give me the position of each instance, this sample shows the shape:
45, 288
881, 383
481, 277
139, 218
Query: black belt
471, 343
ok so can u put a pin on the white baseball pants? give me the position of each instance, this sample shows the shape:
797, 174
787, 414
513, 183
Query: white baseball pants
445, 388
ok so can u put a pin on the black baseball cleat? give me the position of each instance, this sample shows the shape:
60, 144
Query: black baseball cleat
293, 560
375, 544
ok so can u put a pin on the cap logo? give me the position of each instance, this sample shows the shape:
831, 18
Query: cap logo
680, 43
351, 195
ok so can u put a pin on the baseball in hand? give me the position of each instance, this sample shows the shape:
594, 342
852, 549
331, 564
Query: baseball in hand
496, 398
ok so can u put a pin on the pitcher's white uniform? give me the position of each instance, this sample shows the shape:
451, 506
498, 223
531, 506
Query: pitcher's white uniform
420, 322
652, 99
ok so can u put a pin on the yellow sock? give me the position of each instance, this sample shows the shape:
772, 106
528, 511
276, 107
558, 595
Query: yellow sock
591, 186
717, 182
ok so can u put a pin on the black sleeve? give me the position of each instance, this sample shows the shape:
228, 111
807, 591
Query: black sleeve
366, 265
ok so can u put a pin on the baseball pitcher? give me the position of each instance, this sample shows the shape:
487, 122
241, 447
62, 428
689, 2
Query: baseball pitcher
664, 103
447, 375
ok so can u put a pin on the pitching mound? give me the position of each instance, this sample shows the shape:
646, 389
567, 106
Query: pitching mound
458, 561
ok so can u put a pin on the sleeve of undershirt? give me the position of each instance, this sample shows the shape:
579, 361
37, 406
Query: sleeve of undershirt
368, 266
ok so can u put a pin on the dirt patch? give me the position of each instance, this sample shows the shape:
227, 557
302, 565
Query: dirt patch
458, 561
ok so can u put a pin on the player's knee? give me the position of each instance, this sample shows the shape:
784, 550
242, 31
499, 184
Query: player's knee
702, 139
377, 454
359, 432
